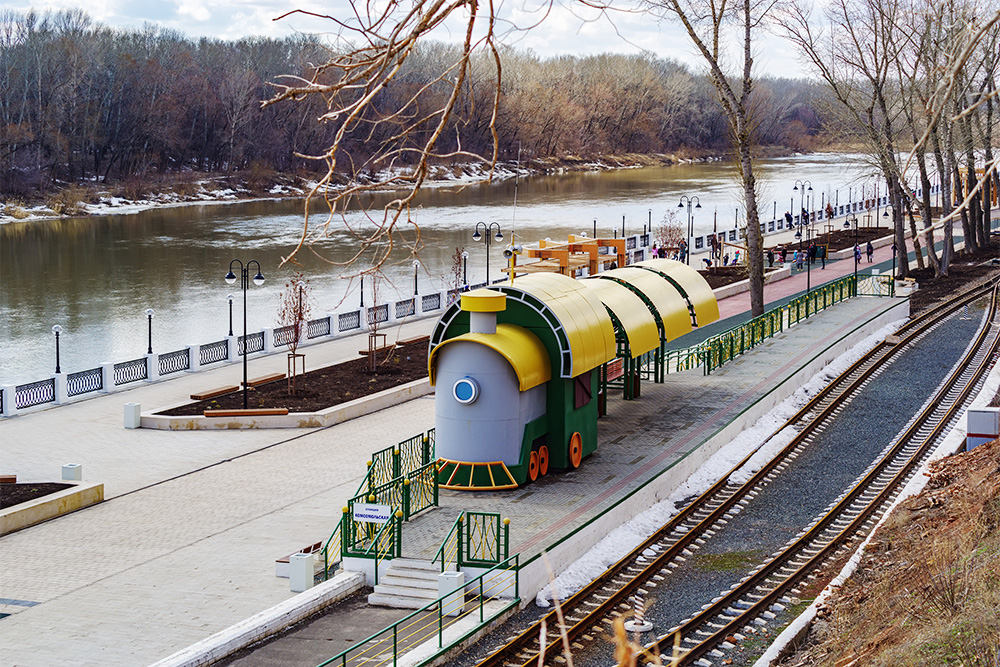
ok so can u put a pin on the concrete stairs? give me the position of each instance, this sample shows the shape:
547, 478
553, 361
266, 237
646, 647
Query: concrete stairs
407, 584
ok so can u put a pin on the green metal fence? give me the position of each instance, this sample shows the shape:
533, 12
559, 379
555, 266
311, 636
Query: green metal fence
395, 462
442, 623
478, 539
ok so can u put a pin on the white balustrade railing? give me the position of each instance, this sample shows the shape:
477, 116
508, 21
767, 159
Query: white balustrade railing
109, 377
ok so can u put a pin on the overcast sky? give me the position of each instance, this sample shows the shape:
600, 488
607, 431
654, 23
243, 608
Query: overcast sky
570, 28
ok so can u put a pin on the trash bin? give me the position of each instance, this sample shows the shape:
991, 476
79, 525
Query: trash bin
132, 415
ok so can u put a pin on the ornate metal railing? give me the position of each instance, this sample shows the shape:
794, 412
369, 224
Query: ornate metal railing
317, 328
430, 302
630, 243
131, 371
378, 314
644, 240
210, 353
349, 321
405, 308
84, 382
284, 335
174, 362
34, 393
488, 597
420, 490
251, 343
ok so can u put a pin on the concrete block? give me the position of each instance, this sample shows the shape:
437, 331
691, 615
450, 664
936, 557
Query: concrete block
72, 472
300, 572
982, 426
133, 412
452, 584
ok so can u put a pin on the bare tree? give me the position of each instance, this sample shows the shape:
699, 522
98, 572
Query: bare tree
406, 134
294, 308
706, 24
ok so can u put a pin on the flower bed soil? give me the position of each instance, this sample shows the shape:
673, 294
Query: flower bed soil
15, 494
839, 239
966, 269
325, 387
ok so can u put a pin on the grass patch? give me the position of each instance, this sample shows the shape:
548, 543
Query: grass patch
733, 561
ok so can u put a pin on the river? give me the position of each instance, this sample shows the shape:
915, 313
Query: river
96, 276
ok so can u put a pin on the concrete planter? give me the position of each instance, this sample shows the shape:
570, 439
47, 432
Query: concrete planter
50, 506
328, 417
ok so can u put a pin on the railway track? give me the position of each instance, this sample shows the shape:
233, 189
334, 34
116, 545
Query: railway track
588, 613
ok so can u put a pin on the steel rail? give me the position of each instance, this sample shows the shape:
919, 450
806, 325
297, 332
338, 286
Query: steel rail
627, 577
723, 606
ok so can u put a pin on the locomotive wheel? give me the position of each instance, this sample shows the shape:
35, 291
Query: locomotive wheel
543, 461
533, 467
575, 450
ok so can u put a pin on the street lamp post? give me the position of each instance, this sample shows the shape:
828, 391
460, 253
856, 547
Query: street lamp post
465, 268
488, 237
258, 280
798, 235
885, 214
803, 184
229, 298
416, 268
687, 201
857, 250
57, 330
149, 314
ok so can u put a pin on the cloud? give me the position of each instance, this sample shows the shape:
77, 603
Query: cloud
566, 28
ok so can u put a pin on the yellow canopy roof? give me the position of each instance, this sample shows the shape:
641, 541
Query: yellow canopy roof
517, 345
582, 316
699, 293
634, 315
668, 302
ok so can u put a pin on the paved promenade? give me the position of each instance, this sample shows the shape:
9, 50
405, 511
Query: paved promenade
185, 544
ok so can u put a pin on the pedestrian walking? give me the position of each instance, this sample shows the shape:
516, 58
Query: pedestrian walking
870, 251
812, 252
798, 260
784, 255
770, 258
821, 251
857, 253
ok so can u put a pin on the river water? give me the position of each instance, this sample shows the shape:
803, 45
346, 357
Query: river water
96, 276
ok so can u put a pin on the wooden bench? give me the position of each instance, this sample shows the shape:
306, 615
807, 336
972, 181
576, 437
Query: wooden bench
281, 565
8, 479
212, 393
264, 379
416, 340
249, 412
377, 350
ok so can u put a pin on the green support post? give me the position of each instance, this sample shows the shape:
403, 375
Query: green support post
398, 546
426, 455
396, 467
458, 555
406, 500
506, 538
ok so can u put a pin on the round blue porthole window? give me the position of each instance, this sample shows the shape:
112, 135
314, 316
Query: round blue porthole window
466, 391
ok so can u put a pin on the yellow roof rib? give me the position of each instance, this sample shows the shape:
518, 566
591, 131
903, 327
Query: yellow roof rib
635, 317
581, 314
668, 302
699, 293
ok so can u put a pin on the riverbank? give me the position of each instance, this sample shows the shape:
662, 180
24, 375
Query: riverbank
92, 198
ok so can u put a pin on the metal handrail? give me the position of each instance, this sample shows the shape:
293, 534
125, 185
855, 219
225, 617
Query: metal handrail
384, 647
326, 551
385, 545
443, 551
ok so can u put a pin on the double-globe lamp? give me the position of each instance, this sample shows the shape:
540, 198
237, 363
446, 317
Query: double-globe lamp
258, 280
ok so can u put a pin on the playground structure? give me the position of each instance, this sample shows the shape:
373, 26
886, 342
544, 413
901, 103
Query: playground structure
523, 370
577, 254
